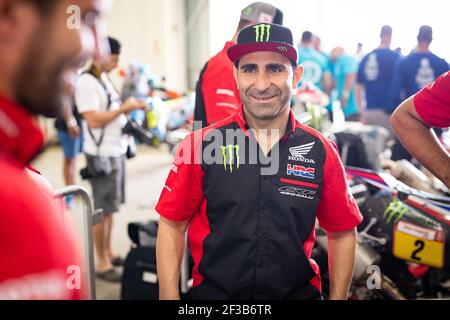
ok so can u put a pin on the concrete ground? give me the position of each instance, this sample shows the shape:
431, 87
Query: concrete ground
146, 175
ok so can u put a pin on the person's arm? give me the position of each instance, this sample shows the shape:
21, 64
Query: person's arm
338, 215
179, 202
98, 119
327, 82
360, 98
72, 126
170, 248
420, 140
350, 79
341, 262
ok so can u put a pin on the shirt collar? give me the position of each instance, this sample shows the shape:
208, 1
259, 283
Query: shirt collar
240, 119
20, 138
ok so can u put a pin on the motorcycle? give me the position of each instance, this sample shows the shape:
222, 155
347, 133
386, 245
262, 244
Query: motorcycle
403, 244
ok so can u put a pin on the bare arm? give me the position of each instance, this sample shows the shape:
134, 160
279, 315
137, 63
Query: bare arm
71, 122
97, 119
341, 262
170, 248
420, 140
327, 83
349, 82
360, 98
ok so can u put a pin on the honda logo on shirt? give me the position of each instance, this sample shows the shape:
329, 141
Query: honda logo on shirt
300, 171
299, 153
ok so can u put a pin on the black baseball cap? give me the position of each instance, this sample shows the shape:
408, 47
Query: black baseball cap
264, 37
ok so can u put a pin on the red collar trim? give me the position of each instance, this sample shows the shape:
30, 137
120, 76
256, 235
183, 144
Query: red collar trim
20, 138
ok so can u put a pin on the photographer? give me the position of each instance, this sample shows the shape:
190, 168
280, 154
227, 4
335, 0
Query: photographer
105, 148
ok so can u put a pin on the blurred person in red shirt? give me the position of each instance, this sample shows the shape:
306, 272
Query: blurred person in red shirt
42, 44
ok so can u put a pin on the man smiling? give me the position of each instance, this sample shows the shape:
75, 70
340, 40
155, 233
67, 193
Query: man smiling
251, 233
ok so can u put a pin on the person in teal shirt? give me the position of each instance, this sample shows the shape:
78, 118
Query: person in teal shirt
345, 68
315, 65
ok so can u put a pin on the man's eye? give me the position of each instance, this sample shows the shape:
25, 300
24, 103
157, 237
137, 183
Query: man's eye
275, 69
248, 70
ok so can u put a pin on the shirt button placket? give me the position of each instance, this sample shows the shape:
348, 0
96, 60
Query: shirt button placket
263, 237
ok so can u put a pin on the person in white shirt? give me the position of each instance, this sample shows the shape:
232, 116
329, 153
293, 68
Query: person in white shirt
105, 148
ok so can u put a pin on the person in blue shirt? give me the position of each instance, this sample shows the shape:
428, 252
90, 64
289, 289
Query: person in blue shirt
413, 73
345, 68
315, 65
418, 69
374, 78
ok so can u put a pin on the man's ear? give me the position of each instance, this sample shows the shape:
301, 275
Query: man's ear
298, 74
235, 71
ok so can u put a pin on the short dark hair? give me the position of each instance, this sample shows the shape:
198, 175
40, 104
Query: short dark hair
114, 45
425, 34
307, 36
386, 31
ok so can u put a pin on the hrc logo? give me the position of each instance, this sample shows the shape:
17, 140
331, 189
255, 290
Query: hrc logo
300, 171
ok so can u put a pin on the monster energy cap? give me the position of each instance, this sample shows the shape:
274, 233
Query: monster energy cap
264, 37
262, 12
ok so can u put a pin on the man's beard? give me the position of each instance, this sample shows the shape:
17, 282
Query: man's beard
38, 83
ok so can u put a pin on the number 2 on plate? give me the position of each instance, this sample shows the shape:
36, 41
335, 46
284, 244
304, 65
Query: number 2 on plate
420, 245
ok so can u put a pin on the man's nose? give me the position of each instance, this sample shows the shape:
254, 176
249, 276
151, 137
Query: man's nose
262, 81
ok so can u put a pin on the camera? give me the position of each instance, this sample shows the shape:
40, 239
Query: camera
86, 174
100, 167
133, 127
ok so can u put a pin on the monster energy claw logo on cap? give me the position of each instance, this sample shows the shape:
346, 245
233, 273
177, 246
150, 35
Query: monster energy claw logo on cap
262, 30
228, 154
264, 37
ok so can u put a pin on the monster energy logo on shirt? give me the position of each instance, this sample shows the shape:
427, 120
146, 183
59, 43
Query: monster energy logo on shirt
262, 30
395, 208
228, 154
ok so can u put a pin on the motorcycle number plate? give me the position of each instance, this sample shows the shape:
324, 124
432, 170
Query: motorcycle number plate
418, 244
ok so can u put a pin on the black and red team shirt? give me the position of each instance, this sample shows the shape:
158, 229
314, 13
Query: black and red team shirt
37, 254
251, 235
218, 89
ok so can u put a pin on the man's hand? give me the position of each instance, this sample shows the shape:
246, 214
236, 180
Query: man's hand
73, 130
341, 262
132, 104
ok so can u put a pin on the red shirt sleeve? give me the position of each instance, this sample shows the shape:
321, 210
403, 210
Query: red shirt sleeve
432, 103
182, 194
338, 210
